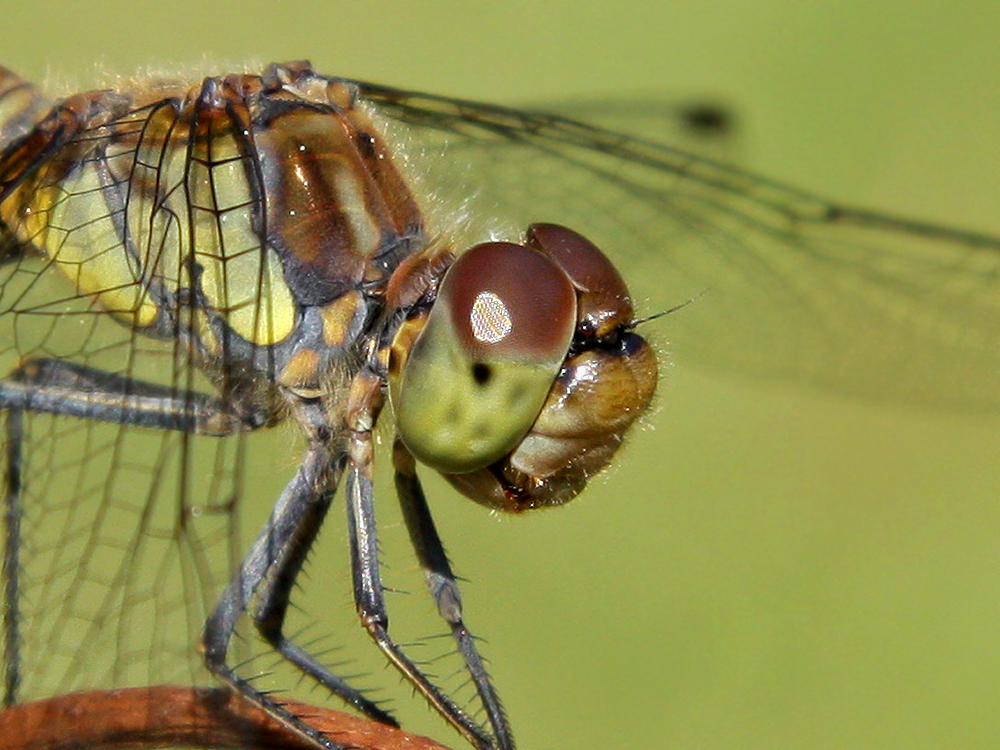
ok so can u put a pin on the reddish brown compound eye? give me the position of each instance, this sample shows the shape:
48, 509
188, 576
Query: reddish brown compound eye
604, 302
510, 302
475, 378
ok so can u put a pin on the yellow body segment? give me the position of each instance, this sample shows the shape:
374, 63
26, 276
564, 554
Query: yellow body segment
85, 244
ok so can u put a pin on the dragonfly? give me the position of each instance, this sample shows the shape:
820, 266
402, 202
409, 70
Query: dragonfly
187, 266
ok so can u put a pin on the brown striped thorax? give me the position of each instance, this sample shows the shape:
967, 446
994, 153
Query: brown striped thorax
265, 226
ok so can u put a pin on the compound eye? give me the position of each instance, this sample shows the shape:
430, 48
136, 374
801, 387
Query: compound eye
475, 378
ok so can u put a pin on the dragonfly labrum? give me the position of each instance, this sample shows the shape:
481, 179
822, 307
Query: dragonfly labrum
186, 266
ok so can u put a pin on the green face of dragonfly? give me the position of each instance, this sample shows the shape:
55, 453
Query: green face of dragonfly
468, 388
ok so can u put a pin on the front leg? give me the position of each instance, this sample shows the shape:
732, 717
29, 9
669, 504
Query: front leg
443, 586
365, 402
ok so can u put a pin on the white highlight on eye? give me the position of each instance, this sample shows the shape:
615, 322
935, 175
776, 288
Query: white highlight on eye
490, 318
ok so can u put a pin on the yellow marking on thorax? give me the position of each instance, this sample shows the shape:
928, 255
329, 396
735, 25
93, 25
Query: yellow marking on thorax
301, 372
337, 317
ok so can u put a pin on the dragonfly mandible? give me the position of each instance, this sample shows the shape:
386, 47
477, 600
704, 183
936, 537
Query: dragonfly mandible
187, 265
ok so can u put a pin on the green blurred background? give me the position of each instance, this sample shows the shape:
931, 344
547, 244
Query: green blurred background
768, 567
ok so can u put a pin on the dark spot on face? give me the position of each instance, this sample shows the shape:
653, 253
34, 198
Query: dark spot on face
481, 373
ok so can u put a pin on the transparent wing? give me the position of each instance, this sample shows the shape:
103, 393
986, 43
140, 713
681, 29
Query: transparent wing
127, 534
785, 284
705, 127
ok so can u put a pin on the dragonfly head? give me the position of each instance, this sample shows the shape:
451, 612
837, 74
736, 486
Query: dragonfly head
521, 380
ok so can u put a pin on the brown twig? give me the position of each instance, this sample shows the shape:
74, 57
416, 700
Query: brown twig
170, 716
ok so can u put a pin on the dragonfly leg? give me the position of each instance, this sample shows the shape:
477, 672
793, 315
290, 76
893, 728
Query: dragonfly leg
369, 596
11, 569
262, 587
443, 586
55, 386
